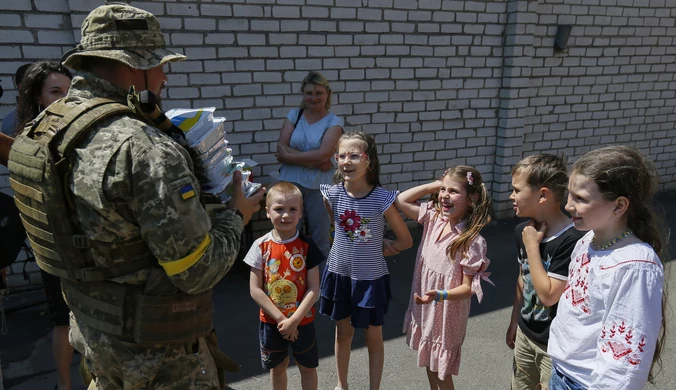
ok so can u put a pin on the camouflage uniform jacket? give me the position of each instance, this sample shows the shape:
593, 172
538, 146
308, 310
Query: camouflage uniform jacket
126, 179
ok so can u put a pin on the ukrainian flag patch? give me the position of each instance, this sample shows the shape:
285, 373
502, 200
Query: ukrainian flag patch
187, 191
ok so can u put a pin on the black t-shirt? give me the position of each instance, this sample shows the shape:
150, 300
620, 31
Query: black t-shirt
555, 251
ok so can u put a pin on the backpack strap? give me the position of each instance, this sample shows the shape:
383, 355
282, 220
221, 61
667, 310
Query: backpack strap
300, 115
80, 120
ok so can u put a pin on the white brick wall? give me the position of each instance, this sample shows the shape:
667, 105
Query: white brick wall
437, 82
358, 48
615, 85
29, 31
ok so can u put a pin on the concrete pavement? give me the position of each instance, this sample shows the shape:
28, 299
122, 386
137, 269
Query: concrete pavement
486, 360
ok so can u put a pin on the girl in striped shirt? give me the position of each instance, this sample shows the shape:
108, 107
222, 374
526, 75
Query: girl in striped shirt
355, 287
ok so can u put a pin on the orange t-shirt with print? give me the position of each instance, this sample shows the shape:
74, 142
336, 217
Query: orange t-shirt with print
285, 265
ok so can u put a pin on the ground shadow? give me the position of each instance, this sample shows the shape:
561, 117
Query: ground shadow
236, 315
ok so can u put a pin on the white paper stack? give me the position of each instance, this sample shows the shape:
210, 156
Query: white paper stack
214, 163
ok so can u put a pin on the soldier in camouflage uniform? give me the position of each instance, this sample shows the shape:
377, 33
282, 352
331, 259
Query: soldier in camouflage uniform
128, 181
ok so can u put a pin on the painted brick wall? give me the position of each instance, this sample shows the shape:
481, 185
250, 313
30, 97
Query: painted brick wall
30, 30
614, 86
437, 82
422, 77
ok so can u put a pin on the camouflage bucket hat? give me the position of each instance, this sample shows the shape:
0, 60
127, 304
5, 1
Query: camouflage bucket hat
123, 33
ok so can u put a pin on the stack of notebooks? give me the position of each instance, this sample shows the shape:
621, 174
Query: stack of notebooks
214, 163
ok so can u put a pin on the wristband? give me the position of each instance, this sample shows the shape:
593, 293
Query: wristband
445, 295
237, 212
438, 298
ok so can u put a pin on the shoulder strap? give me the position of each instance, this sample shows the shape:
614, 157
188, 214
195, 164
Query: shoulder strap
78, 122
300, 115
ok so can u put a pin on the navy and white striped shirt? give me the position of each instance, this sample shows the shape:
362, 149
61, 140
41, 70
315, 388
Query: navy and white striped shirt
359, 224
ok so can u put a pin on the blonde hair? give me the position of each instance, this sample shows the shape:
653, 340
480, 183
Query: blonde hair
316, 78
283, 188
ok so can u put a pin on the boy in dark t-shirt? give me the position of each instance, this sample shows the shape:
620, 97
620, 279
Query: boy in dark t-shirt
284, 282
555, 253
544, 247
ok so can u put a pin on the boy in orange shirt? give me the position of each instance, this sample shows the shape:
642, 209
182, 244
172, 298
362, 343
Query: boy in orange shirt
284, 282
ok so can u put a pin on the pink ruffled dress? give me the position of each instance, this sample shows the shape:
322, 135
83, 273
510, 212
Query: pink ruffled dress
437, 331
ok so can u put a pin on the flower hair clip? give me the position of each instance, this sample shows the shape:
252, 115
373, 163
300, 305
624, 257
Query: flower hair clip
470, 179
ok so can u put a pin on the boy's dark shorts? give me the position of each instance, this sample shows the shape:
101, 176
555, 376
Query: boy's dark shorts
274, 348
58, 309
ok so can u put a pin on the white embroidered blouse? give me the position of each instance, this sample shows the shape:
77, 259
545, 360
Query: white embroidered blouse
609, 316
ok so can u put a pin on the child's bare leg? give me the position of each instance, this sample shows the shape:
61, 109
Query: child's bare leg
63, 356
432, 378
278, 375
374, 344
344, 333
446, 384
308, 377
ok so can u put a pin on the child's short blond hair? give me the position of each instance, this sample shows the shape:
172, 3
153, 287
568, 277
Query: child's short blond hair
283, 188
544, 170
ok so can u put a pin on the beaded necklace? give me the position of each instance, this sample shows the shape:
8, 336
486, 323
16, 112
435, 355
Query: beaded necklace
612, 242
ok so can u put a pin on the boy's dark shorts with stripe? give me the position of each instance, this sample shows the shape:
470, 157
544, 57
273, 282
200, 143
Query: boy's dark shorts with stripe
274, 348
58, 309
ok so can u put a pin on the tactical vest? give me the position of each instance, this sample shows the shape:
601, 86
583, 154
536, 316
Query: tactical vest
40, 166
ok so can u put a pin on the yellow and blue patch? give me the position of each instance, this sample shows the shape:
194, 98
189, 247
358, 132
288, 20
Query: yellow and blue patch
187, 191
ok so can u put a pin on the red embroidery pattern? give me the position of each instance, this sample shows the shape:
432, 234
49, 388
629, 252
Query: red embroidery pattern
605, 268
618, 341
577, 290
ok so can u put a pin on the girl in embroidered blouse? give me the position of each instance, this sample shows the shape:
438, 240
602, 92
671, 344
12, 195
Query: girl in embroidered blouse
450, 263
609, 326
355, 286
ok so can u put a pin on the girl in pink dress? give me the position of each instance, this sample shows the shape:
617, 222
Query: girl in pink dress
450, 264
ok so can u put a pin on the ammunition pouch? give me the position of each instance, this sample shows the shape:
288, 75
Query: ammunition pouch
123, 311
40, 168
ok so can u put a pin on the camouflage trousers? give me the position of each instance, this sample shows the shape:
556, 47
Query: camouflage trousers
120, 365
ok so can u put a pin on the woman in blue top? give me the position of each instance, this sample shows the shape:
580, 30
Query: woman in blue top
305, 148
